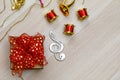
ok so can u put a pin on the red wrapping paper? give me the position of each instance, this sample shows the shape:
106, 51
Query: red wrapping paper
26, 52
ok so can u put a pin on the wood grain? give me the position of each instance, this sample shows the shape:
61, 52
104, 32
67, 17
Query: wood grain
93, 53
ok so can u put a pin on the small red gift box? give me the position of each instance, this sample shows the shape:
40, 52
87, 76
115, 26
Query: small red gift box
27, 52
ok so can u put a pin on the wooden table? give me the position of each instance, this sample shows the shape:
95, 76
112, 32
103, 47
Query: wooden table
92, 53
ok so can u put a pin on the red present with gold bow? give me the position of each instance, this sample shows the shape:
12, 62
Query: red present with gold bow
27, 52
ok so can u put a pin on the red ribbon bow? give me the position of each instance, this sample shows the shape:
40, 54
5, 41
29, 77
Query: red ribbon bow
26, 51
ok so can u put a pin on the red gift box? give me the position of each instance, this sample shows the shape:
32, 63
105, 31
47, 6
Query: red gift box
27, 52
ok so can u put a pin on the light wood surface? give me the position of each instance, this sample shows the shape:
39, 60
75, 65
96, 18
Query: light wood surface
92, 53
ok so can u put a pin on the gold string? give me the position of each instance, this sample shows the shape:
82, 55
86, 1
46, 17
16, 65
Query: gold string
19, 21
6, 19
7, 16
64, 2
83, 2
11, 1
4, 7
71, 3
14, 13
47, 4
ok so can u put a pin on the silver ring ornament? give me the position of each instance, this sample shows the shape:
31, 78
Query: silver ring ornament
60, 57
56, 47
